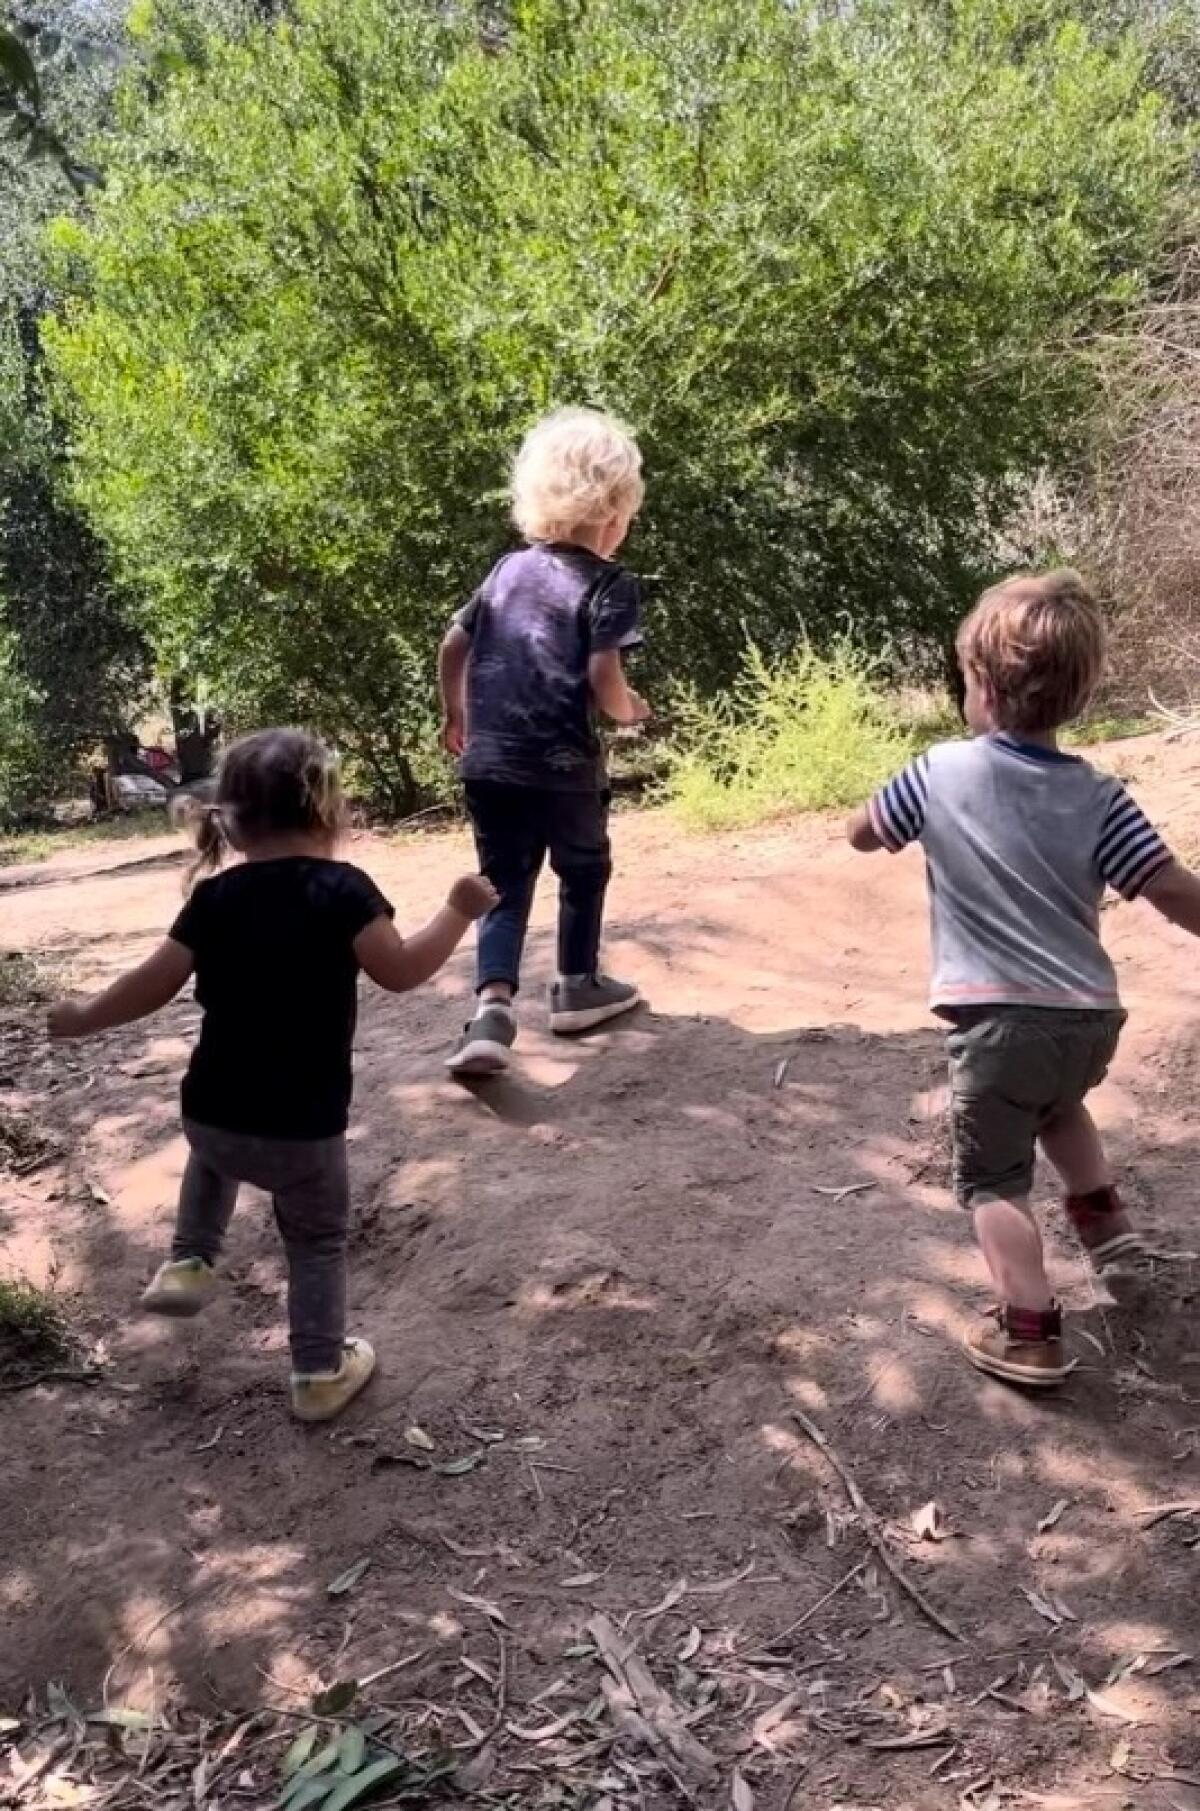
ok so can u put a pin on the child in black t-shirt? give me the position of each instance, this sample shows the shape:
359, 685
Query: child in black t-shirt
276, 943
524, 665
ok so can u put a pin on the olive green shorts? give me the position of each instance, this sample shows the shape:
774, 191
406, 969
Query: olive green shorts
1014, 1069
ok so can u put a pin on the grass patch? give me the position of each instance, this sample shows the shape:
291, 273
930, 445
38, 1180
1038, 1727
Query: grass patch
24, 1147
22, 982
40, 845
807, 733
1108, 729
33, 1326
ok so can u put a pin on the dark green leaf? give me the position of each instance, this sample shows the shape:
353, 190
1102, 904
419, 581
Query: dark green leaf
363, 1783
336, 1699
346, 1581
299, 1751
353, 1749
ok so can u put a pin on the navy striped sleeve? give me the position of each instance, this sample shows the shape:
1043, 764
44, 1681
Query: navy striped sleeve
1130, 851
898, 809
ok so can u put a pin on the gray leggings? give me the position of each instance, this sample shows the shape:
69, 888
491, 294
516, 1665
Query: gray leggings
309, 1184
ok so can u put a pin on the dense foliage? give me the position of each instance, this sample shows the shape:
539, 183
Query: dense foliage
835, 269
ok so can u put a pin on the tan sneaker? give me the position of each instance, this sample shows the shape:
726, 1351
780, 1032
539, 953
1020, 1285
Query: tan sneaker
181, 1287
320, 1395
1022, 1347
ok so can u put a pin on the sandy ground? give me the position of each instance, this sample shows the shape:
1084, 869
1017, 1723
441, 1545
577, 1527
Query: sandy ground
601, 1289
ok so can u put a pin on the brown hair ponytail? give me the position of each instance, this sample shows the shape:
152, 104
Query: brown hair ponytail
208, 833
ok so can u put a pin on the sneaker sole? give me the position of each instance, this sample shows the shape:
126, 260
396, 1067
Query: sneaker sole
563, 1024
1009, 1373
482, 1057
174, 1308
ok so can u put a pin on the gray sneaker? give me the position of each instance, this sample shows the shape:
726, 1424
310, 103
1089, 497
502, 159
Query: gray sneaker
577, 1005
484, 1045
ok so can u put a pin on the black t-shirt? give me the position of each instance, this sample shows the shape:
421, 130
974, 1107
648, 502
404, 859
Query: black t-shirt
534, 623
277, 977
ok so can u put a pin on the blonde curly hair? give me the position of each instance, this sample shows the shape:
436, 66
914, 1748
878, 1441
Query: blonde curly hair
577, 468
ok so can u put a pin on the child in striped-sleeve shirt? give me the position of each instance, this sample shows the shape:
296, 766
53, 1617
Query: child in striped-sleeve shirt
1021, 840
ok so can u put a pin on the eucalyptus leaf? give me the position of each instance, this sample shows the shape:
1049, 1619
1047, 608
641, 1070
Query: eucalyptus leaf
363, 1783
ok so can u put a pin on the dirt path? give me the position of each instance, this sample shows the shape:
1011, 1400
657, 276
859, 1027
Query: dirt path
601, 1289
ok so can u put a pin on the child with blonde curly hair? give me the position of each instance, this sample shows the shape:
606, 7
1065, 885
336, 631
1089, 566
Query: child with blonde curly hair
275, 942
523, 670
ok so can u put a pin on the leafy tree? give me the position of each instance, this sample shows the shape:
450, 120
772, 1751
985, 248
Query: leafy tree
835, 264
73, 667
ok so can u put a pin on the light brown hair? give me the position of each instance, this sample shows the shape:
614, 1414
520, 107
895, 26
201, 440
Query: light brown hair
1037, 642
276, 782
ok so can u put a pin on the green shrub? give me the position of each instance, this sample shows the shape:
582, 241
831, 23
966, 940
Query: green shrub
806, 733
32, 1323
840, 266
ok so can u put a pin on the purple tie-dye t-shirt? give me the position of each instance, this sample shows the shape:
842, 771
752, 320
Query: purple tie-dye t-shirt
534, 623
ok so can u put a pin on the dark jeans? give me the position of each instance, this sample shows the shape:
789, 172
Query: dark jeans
516, 827
308, 1182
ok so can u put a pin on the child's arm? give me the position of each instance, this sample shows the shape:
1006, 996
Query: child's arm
143, 990
398, 963
612, 691
452, 676
1175, 892
895, 816
861, 833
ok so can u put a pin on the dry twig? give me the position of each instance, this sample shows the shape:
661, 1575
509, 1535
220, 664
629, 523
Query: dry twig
871, 1527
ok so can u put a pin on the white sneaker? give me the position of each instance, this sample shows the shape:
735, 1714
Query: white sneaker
487, 1041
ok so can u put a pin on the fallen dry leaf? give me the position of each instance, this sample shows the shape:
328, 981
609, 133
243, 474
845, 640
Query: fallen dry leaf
579, 1580
1076, 1685
690, 1646
933, 1737
1054, 1516
770, 1720
740, 1795
1042, 1606
416, 1436
1100, 1701
928, 1523
491, 1610
1166, 1663
673, 1596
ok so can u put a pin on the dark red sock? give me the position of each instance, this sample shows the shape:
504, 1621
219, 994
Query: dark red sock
1097, 1201
1033, 1323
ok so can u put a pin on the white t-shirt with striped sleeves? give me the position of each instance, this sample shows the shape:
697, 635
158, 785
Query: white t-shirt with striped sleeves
1020, 842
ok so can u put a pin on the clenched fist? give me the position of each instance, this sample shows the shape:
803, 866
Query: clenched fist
473, 896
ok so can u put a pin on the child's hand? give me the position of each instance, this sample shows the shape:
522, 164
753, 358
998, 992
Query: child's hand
454, 738
66, 1020
639, 711
473, 896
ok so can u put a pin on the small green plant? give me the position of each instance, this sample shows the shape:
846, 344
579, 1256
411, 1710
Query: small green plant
807, 733
21, 980
39, 845
32, 1323
1108, 729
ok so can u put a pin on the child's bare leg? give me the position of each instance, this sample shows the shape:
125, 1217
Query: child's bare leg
1012, 1245
1093, 1203
1073, 1145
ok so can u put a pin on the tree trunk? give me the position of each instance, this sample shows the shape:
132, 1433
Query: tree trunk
196, 735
